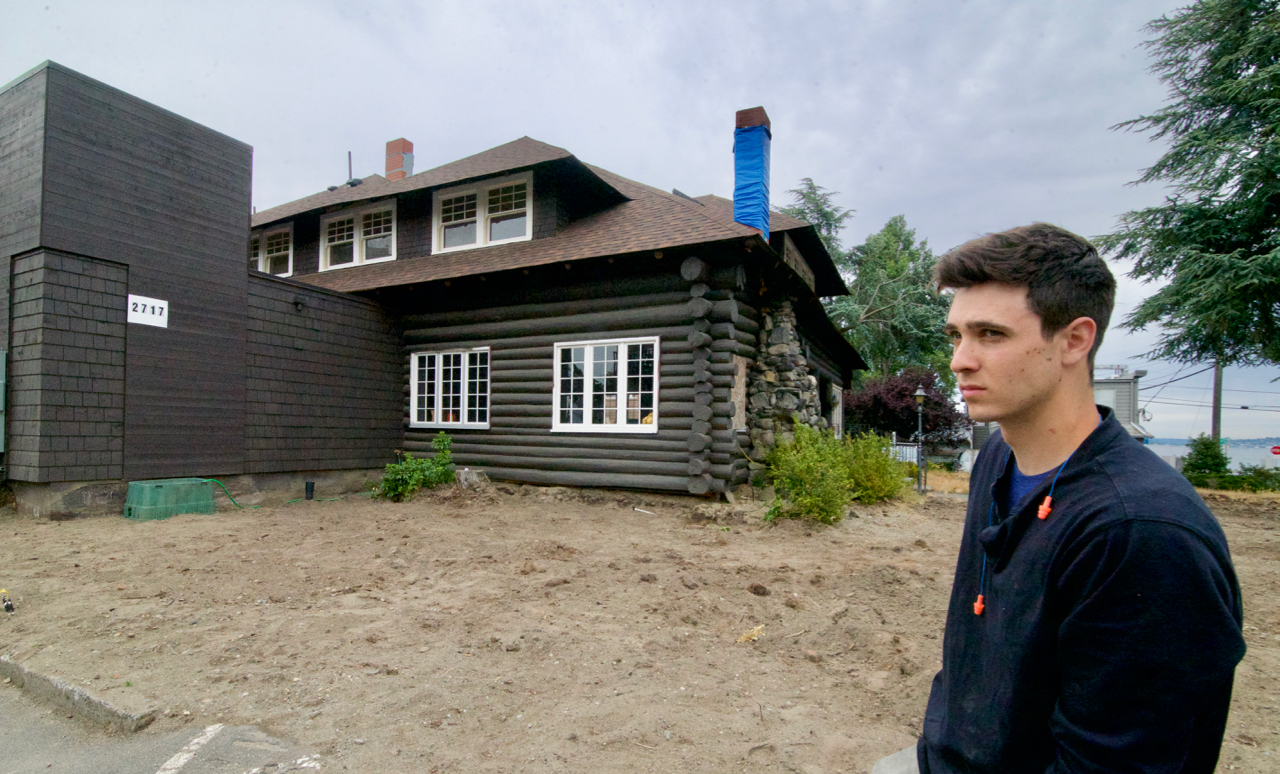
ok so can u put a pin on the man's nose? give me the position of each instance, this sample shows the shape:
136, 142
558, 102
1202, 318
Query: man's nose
962, 357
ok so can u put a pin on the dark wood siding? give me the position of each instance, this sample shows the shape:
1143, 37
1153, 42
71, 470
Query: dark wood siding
129, 182
324, 382
413, 224
21, 163
67, 368
699, 329
306, 244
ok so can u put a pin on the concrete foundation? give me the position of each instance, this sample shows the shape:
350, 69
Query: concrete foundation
74, 499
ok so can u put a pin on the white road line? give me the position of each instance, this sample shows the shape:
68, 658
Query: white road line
184, 755
305, 762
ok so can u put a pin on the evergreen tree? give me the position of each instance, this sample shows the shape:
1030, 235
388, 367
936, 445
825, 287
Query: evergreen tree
1215, 239
894, 315
815, 205
1205, 458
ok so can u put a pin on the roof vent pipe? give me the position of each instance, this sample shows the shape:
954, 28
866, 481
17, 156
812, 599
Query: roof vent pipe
399, 159
751, 139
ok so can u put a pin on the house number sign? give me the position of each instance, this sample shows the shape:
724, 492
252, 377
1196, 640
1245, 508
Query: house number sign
148, 311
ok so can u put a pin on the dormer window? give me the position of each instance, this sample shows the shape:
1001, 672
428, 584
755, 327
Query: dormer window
363, 235
488, 213
271, 250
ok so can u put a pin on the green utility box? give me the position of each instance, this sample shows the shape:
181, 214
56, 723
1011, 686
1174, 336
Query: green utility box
164, 497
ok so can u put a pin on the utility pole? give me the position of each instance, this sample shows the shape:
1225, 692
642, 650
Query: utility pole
1217, 400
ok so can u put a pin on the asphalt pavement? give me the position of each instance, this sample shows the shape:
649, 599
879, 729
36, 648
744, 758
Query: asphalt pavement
35, 738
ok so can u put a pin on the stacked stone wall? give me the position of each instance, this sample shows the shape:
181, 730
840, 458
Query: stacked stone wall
782, 391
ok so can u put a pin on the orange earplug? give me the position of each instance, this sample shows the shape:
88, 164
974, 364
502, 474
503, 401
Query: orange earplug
978, 606
1045, 507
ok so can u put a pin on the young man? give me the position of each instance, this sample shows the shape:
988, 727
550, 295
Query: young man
1095, 619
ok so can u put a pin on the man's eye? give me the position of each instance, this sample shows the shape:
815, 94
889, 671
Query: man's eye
990, 334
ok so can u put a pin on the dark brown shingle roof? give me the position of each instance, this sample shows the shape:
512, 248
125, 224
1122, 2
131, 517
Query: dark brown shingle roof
518, 154
723, 209
648, 219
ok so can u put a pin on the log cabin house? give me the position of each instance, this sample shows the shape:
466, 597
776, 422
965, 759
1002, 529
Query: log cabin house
566, 325
563, 324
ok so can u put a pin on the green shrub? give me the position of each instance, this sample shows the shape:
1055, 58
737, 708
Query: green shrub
875, 474
402, 480
1260, 479
817, 475
1251, 478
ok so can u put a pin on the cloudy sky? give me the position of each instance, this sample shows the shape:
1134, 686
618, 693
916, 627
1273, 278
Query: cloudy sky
966, 117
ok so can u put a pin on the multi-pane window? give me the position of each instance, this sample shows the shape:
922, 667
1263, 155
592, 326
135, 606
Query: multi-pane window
607, 386
340, 242
358, 236
508, 211
378, 231
491, 212
449, 389
272, 251
458, 220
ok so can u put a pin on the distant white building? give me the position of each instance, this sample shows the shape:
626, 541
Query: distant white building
1117, 387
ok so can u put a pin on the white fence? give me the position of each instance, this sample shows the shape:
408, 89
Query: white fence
905, 452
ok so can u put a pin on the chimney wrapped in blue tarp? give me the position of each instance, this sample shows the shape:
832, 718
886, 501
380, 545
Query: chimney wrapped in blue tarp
751, 141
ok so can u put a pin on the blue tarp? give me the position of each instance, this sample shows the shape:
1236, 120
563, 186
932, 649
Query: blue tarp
751, 177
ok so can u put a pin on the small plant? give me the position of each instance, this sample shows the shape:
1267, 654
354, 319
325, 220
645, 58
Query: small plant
402, 480
817, 475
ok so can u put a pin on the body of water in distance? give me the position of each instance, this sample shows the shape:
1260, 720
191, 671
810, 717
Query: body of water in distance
1239, 455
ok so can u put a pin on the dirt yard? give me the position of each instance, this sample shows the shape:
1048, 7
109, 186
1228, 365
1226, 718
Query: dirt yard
542, 630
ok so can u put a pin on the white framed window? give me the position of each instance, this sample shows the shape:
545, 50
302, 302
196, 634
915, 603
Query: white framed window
362, 235
271, 250
490, 212
606, 386
449, 389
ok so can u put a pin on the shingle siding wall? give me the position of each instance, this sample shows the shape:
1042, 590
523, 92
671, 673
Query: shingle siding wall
413, 225
21, 164
126, 181
546, 211
306, 244
324, 387
67, 368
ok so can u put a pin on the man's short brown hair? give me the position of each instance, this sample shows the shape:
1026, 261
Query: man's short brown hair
1063, 274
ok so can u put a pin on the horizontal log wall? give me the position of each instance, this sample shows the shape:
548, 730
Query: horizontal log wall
699, 329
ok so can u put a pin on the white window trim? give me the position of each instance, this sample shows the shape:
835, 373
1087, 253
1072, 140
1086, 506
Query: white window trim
357, 214
558, 427
415, 387
261, 235
481, 190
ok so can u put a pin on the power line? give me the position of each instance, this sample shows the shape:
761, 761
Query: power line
1166, 402
1176, 379
1259, 392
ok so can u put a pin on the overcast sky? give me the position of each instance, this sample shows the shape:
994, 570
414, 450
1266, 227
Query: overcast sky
966, 117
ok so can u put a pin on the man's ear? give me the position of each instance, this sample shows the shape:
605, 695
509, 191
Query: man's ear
1077, 339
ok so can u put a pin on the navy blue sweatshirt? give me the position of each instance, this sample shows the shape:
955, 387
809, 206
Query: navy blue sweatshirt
1111, 629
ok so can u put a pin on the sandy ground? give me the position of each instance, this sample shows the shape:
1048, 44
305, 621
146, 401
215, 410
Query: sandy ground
542, 630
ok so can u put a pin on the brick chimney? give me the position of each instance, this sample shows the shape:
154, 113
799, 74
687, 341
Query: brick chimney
399, 159
751, 138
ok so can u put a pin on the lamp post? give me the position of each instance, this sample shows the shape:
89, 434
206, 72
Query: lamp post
921, 462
